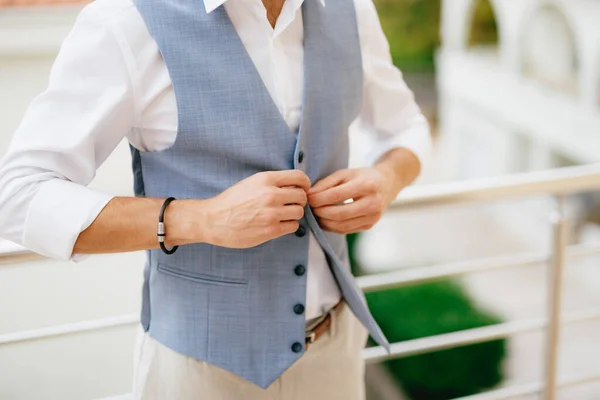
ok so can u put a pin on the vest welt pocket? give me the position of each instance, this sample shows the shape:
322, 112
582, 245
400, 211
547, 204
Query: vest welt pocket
201, 278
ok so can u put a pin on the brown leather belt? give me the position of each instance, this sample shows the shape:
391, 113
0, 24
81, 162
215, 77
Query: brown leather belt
324, 325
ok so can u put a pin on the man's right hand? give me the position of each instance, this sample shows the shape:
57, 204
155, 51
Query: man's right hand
256, 210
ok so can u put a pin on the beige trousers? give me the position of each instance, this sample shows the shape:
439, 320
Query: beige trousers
331, 369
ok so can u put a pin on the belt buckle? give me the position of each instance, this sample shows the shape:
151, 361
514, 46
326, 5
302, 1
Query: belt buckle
310, 339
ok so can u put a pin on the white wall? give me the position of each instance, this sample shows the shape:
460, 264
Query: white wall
549, 52
40, 294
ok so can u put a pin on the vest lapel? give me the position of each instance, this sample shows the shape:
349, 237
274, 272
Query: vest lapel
233, 40
309, 62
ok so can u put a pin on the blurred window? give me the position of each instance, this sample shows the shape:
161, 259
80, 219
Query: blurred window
483, 34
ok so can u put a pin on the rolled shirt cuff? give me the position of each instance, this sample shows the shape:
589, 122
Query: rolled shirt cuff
57, 214
417, 139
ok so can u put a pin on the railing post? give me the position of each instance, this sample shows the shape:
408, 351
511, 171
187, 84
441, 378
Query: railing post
555, 283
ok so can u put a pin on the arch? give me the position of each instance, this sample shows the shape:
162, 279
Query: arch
549, 52
483, 27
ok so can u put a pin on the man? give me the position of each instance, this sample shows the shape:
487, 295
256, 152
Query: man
237, 112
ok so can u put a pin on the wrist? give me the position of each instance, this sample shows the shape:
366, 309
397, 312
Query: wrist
391, 181
184, 222
400, 167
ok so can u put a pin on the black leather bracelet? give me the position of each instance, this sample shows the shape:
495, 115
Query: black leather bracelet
161, 228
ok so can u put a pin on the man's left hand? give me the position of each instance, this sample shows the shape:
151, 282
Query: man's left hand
350, 200
354, 200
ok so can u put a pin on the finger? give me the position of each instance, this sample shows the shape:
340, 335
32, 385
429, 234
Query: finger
345, 212
290, 213
331, 181
280, 229
287, 227
353, 225
336, 195
359, 229
292, 177
292, 196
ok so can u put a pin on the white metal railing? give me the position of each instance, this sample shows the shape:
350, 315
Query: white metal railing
556, 183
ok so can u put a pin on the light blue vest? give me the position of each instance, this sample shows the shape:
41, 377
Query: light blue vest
236, 309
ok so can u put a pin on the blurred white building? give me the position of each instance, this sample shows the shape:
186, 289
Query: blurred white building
531, 100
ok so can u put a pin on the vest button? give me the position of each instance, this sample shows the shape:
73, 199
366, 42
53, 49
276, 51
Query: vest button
299, 309
297, 347
300, 157
300, 270
301, 232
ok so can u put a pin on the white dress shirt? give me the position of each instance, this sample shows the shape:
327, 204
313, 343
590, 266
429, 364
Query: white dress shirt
109, 82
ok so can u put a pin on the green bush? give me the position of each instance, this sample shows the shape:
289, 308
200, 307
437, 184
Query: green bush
431, 309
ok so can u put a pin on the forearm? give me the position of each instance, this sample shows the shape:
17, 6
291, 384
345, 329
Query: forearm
260, 208
401, 167
130, 224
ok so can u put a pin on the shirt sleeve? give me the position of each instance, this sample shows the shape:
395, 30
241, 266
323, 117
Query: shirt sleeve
390, 114
66, 134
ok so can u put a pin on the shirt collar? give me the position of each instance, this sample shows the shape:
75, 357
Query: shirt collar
212, 5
